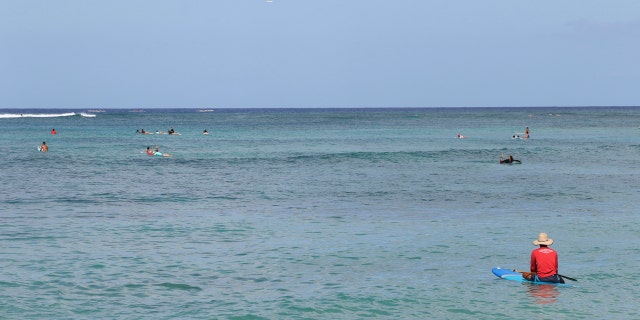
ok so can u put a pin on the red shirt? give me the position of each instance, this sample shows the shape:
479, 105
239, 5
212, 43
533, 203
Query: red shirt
544, 262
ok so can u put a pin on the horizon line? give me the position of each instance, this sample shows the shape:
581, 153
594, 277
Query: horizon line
231, 108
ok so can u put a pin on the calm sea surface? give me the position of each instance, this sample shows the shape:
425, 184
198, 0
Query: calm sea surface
317, 213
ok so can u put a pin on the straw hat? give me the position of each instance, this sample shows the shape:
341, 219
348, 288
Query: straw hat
543, 239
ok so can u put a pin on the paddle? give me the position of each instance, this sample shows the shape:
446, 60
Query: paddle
526, 272
572, 279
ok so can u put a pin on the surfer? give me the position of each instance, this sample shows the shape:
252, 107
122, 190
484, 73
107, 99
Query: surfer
44, 147
509, 159
160, 154
171, 131
544, 262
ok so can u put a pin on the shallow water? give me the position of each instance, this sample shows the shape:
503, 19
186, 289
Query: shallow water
316, 214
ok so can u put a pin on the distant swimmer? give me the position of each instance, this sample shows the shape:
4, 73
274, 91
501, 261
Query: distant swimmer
44, 147
172, 132
205, 131
461, 136
53, 131
508, 160
526, 133
160, 154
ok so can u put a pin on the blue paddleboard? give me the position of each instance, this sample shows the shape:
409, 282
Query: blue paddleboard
508, 274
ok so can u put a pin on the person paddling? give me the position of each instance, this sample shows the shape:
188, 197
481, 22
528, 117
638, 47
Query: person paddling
160, 154
544, 262
509, 159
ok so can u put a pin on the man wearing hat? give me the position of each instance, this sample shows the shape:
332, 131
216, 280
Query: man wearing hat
544, 261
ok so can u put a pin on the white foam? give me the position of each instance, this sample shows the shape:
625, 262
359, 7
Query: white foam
36, 115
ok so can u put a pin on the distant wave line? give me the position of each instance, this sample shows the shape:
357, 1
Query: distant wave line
44, 115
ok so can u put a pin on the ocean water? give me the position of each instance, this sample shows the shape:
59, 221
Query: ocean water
317, 213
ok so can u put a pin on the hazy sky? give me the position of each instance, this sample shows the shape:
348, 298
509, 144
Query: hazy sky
318, 53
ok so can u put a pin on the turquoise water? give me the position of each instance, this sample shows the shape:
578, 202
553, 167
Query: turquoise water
317, 213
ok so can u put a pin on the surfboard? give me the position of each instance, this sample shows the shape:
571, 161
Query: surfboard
508, 274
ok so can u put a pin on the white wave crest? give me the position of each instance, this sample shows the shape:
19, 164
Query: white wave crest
36, 115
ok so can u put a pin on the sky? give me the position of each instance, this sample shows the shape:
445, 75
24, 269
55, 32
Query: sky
318, 53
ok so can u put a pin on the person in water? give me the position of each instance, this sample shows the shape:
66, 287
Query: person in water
526, 133
205, 131
160, 154
44, 147
53, 131
509, 159
544, 261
